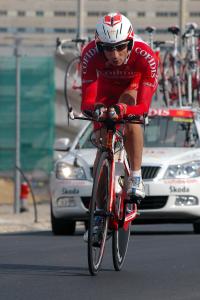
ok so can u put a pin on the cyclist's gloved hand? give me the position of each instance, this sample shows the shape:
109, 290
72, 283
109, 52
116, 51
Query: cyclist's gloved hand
117, 111
99, 112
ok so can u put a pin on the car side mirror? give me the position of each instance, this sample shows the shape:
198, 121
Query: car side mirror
62, 144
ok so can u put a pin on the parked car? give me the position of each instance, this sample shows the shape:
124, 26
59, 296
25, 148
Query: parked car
170, 169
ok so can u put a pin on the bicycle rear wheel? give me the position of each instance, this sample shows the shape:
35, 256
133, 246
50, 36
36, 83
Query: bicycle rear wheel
99, 207
120, 239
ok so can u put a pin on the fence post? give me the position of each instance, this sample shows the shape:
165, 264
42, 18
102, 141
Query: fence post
18, 135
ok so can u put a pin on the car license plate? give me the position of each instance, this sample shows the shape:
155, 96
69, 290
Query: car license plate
66, 202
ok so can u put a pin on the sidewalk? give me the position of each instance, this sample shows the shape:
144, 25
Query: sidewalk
22, 222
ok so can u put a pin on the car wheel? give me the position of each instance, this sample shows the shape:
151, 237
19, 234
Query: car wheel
61, 226
196, 227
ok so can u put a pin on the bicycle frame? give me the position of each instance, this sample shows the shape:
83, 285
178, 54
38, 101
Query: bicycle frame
121, 218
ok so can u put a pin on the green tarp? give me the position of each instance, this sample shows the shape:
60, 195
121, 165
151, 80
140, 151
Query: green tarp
37, 113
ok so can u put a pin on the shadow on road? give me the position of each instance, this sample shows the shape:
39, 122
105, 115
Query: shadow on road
28, 233
167, 229
37, 233
162, 233
162, 229
39, 270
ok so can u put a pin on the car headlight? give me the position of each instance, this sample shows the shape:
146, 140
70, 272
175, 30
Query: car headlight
187, 170
66, 171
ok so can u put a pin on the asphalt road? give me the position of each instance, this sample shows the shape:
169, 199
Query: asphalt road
163, 263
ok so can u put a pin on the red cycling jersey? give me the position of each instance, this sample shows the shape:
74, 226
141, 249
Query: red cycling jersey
104, 83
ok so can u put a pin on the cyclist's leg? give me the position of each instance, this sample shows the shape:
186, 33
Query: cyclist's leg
134, 148
133, 134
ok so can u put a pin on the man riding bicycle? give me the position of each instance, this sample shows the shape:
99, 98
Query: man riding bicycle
119, 75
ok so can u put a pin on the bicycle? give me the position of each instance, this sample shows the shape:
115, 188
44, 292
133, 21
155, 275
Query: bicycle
109, 199
72, 78
172, 70
191, 69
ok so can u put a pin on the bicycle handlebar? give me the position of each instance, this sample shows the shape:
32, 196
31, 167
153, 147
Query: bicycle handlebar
136, 119
60, 43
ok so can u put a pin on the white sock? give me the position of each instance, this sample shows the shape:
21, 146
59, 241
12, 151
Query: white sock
137, 173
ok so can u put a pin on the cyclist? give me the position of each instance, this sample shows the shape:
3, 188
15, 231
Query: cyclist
119, 74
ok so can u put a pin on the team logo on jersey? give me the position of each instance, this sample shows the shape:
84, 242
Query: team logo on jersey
150, 59
116, 73
88, 55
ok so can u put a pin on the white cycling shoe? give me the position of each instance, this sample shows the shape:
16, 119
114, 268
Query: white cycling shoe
135, 187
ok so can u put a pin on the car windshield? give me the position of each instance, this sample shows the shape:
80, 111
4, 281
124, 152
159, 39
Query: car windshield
84, 141
171, 132
161, 132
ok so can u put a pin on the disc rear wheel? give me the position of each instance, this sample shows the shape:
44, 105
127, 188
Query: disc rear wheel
120, 241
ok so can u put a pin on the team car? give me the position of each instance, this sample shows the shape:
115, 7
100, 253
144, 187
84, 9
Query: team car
170, 170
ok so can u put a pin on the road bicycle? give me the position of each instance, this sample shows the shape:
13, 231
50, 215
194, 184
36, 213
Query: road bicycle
117, 211
191, 69
172, 70
109, 200
72, 78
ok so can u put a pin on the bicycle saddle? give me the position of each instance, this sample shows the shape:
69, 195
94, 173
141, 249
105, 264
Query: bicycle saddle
150, 29
191, 26
174, 30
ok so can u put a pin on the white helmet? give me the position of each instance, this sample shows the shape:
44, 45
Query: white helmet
113, 29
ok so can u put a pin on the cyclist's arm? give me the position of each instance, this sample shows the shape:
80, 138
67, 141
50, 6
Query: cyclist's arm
89, 81
88, 95
144, 97
146, 87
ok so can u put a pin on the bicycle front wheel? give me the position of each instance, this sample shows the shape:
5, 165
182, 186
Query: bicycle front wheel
99, 208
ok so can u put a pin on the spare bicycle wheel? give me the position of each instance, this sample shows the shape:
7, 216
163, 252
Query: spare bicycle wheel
72, 84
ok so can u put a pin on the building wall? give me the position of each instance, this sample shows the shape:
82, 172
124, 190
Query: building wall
42, 21
51, 18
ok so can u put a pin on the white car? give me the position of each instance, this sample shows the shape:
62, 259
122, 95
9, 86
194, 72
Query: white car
170, 168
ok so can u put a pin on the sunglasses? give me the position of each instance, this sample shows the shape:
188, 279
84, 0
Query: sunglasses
118, 48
